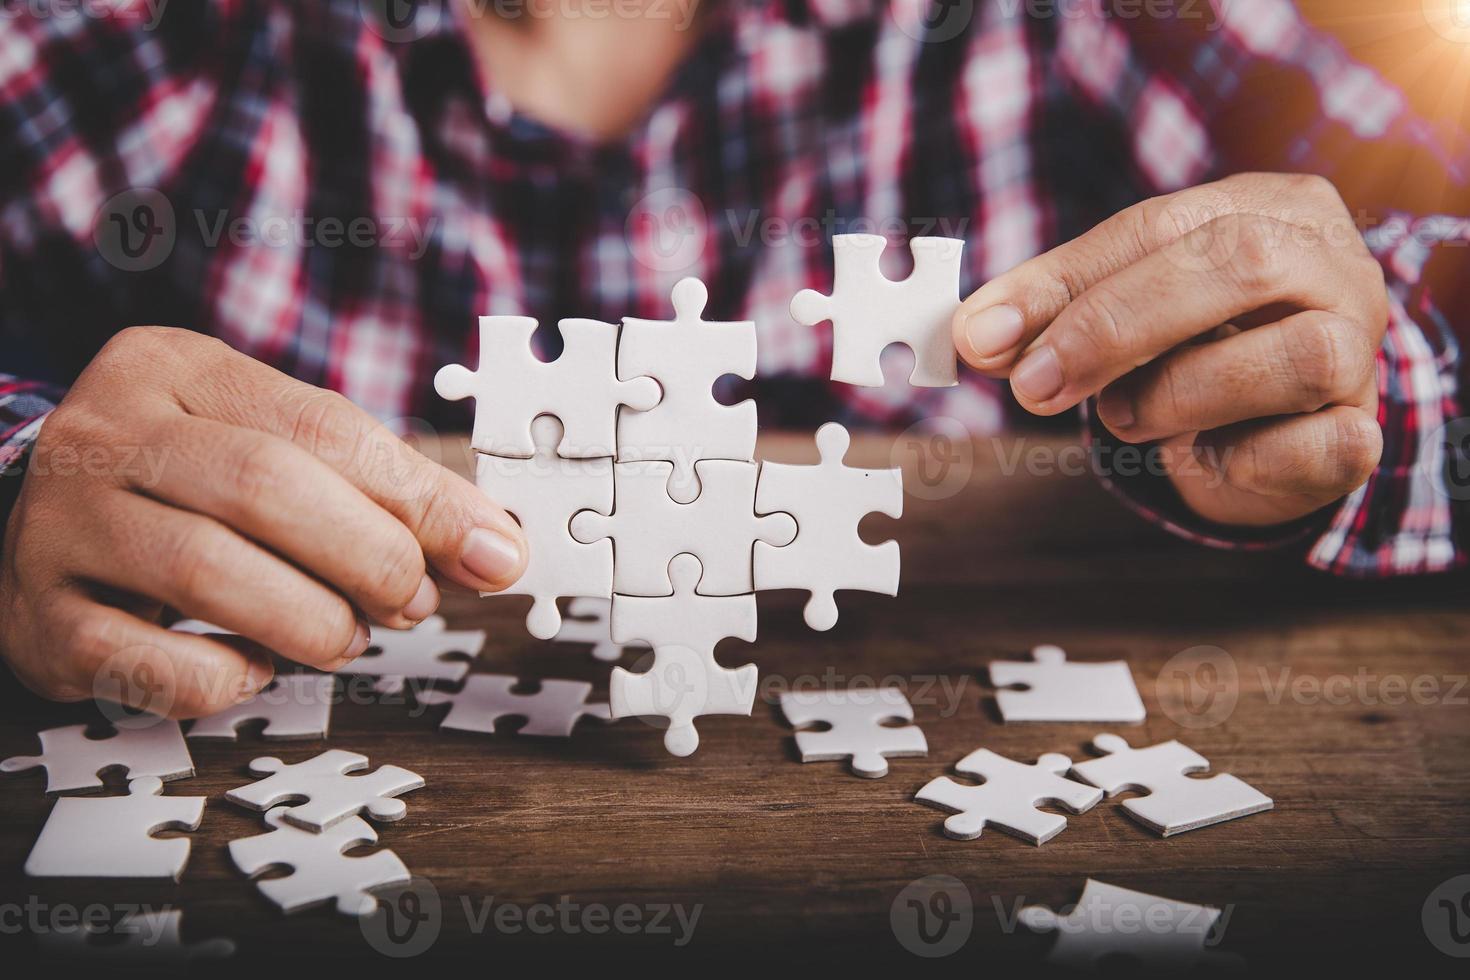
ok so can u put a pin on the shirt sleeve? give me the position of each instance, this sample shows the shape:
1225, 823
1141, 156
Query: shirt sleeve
1258, 89
24, 405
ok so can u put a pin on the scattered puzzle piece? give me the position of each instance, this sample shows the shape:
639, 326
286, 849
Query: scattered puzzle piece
294, 706
684, 682
1175, 802
72, 760
486, 698
422, 654
857, 731
544, 493
649, 528
1155, 936
111, 836
869, 311
827, 501
686, 356
512, 387
589, 620
148, 939
1009, 796
320, 871
332, 794
1061, 691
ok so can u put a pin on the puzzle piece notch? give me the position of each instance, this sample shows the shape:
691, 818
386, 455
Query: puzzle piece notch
112, 836
857, 727
294, 706
687, 356
553, 710
149, 938
331, 792
72, 760
684, 682
649, 529
1063, 691
1158, 936
1175, 803
869, 311
422, 653
589, 620
512, 386
1009, 796
828, 501
544, 494
321, 872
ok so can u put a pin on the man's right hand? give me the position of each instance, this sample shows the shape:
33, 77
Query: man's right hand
178, 472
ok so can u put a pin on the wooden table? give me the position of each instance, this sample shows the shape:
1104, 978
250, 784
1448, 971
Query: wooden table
790, 862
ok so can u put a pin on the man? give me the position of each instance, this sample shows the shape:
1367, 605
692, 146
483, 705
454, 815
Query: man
335, 190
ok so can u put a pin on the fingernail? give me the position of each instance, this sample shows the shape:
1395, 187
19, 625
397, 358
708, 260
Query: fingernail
1038, 377
490, 557
257, 676
361, 639
994, 331
1116, 410
423, 603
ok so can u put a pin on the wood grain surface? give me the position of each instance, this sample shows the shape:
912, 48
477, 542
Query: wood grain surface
1345, 702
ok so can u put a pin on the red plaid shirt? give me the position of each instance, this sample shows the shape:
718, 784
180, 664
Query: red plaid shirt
340, 195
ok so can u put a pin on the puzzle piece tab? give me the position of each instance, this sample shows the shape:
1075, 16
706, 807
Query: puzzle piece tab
1154, 936
869, 311
422, 653
857, 731
72, 760
649, 528
1009, 796
1175, 803
1061, 691
827, 500
589, 620
320, 871
294, 706
684, 682
332, 794
513, 386
544, 493
111, 836
687, 355
553, 710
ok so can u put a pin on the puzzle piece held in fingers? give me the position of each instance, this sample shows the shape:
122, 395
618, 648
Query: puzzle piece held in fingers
331, 793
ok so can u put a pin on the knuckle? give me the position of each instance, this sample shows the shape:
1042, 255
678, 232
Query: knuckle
328, 634
1097, 317
1358, 449
258, 472
1254, 259
398, 572
325, 424
197, 563
1329, 358
1249, 468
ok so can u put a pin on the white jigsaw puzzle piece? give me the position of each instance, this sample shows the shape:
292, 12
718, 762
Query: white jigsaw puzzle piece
1175, 802
72, 760
320, 871
828, 501
686, 356
1156, 936
684, 682
857, 731
1060, 691
147, 939
544, 493
1009, 796
648, 528
869, 311
513, 386
394, 657
294, 706
331, 792
111, 836
553, 710
589, 620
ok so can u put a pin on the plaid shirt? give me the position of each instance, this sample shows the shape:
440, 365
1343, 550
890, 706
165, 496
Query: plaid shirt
340, 195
